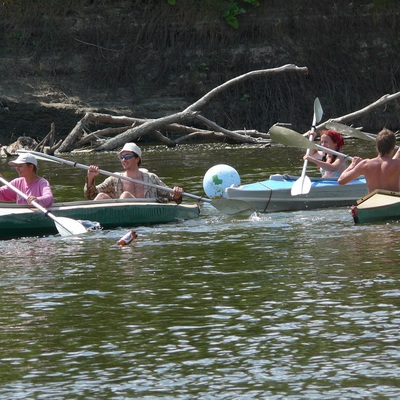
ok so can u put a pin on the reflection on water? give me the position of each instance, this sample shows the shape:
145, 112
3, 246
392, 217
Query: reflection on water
283, 306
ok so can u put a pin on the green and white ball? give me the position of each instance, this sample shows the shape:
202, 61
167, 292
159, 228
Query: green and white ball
218, 178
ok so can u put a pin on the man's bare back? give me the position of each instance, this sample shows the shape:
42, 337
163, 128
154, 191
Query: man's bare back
381, 172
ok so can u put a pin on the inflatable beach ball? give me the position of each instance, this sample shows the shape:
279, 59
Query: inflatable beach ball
218, 178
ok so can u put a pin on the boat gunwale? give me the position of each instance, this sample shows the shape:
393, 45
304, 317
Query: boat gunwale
97, 203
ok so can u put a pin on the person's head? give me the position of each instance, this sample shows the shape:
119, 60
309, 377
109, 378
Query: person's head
130, 151
24, 163
385, 141
332, 140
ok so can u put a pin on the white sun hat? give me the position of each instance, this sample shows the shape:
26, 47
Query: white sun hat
23, 159
132, 147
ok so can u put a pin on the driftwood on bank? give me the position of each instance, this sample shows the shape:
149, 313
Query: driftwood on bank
113, 138
133, 129
346, 119
124, 129
48, 141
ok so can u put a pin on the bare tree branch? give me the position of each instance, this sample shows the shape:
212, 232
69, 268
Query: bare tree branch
191, 111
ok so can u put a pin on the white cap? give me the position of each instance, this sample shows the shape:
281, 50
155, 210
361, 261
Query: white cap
132, 147
23, 159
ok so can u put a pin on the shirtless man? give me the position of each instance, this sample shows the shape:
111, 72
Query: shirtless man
381, 172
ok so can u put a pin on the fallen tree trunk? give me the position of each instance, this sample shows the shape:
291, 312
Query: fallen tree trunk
179, 125
356, 114
352, 116
139, 128
186, 132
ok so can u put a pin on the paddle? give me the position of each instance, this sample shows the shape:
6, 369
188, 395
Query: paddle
303, 184
294, 139
65, 226
226, 206
348, 130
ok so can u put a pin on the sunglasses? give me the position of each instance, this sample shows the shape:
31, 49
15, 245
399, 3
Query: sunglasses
127, 156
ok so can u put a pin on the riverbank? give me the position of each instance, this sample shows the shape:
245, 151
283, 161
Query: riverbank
149, 60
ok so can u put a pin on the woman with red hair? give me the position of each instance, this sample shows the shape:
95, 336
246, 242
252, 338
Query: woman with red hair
330, 165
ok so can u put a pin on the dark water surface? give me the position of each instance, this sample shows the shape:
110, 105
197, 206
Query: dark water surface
302, 305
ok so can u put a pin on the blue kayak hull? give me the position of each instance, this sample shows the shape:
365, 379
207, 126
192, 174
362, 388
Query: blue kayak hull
274, 194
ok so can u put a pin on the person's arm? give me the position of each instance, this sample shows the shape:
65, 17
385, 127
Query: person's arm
325, 165
111, 186
353, 171
314, 153
43, 194
397, 154
89, 190
175, 196
7, 194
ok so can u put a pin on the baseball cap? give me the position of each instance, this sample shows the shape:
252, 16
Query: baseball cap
23, 159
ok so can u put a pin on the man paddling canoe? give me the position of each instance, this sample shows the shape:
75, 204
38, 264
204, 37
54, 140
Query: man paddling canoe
114, 188
381, 172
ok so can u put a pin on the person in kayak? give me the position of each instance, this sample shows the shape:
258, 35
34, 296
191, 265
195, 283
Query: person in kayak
381, 172
330, 165
114, 188
36, 188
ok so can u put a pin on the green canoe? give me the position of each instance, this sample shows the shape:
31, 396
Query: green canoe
379, 205
21, 221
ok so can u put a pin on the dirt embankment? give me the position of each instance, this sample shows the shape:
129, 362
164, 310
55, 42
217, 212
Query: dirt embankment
148, 59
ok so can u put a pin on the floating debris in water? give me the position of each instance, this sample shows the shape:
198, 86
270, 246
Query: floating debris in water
127, 238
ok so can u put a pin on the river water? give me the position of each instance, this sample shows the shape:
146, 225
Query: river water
300, 305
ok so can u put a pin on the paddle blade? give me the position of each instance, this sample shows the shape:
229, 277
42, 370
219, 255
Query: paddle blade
68, 226
301, 186
290, 138
348, 130
318, 111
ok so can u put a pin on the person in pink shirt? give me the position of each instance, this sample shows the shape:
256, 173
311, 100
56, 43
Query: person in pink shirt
36, 188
